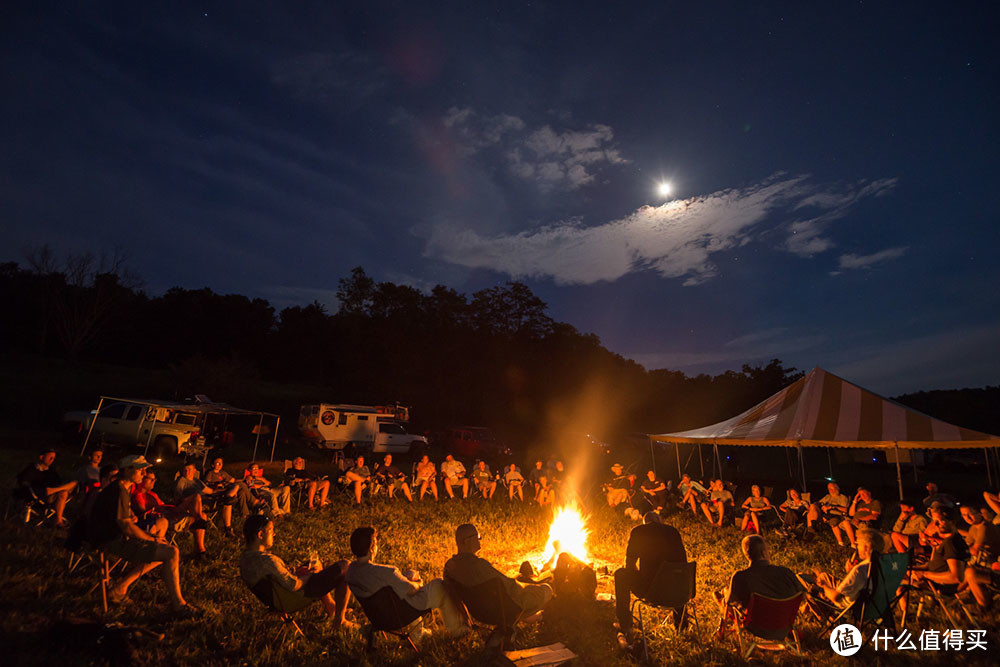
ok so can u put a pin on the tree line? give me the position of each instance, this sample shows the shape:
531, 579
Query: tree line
493, 358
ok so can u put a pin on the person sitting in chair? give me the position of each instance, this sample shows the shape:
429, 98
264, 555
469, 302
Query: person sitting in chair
619, 488
719, 500
692, 493
864, 512
426, 474
298, 476
469, 570
908, 527
982, 538
793, 510
654, 491
279, 498
947, 561
535, 475
155, 516
482, 476
753, 506
89, 474
365, 578
328, 585
233, 493
453, 471
832, 508
515, 482
392, 478
761, 577
546, 493
826, 596
650, 545
41, 479
358, 477
113, 529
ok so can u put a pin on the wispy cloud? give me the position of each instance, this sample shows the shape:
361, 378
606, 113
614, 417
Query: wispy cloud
852, 261
749, 348
805, 237
676, 240
549, 157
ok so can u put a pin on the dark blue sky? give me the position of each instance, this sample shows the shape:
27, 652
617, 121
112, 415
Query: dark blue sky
833, 166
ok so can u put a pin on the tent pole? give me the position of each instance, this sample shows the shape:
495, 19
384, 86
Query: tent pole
913, 462
788, 464
989, 475
93, 420
150, 436
715, 460
802, 466
677, 449
899, 476
257, 441
701, 463
652, 456
829, 462
277, 423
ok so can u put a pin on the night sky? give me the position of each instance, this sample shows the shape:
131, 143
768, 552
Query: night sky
834, 165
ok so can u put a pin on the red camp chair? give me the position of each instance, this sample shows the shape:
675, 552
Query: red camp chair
769, 623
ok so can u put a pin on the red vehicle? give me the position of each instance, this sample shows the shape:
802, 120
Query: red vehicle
472, 442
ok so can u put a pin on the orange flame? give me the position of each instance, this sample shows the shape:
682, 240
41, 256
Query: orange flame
567, 534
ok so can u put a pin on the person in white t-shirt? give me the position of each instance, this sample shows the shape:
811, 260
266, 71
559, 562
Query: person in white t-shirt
454, 475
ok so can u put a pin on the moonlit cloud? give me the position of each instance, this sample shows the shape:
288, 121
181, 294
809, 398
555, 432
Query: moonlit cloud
549, 157
852, 261
676, 240
805, 237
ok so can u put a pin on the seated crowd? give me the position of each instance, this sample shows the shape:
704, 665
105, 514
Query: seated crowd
122, 515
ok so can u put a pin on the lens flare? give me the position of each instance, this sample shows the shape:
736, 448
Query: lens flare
567, 534
665, 189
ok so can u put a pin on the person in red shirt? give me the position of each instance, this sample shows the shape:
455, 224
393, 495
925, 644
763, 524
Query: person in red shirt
155, 516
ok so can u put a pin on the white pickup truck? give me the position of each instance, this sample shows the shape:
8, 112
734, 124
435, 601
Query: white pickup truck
167, 428
378, 428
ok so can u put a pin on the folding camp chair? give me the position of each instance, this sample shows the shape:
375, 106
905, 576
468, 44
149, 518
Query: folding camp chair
388, 614
672, 587
282, 602
490, 605
877, 602
769, 623
28, 506
944, 595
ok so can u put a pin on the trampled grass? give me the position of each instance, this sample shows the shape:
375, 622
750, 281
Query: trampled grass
38, 591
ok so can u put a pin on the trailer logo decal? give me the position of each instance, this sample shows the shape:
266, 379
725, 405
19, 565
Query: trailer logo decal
328, 417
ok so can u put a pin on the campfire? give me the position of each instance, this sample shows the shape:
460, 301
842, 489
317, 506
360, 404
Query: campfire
567, 534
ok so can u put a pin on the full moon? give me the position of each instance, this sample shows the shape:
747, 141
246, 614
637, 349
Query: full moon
665, 189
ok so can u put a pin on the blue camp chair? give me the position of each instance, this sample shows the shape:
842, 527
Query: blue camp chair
877, 602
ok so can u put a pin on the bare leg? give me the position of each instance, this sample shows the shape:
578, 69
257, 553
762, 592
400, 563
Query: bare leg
849, 529
704, 508
199, 540
311, 492
324, 491
447, 488
465, 487
812, 515
407, 492
227, 516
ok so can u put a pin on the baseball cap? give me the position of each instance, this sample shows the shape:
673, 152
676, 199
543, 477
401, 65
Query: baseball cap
137, 461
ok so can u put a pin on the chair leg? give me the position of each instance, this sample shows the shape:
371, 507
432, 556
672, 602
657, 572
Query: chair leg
369, 639
642, 631
105, 580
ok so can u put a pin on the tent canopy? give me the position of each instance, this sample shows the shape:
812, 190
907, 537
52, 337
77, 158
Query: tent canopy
823, 410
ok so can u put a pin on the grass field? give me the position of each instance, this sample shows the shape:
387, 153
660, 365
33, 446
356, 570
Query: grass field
37, 591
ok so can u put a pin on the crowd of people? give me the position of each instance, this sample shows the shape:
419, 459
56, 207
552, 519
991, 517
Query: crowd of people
122, 515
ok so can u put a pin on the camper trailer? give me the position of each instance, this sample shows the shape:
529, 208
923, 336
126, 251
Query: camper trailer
375, 427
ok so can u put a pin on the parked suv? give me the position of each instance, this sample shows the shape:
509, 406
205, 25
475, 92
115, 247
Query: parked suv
129, 423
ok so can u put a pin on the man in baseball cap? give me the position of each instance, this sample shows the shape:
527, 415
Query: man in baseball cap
114, 529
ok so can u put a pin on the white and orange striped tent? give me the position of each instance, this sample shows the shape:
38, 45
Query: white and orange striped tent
823, 410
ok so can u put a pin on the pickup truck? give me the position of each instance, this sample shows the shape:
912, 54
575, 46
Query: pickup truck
130, 423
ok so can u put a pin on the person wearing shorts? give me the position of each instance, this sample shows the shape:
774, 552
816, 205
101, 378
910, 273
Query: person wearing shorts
114, 529
328, 585
393, 478
483, 477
